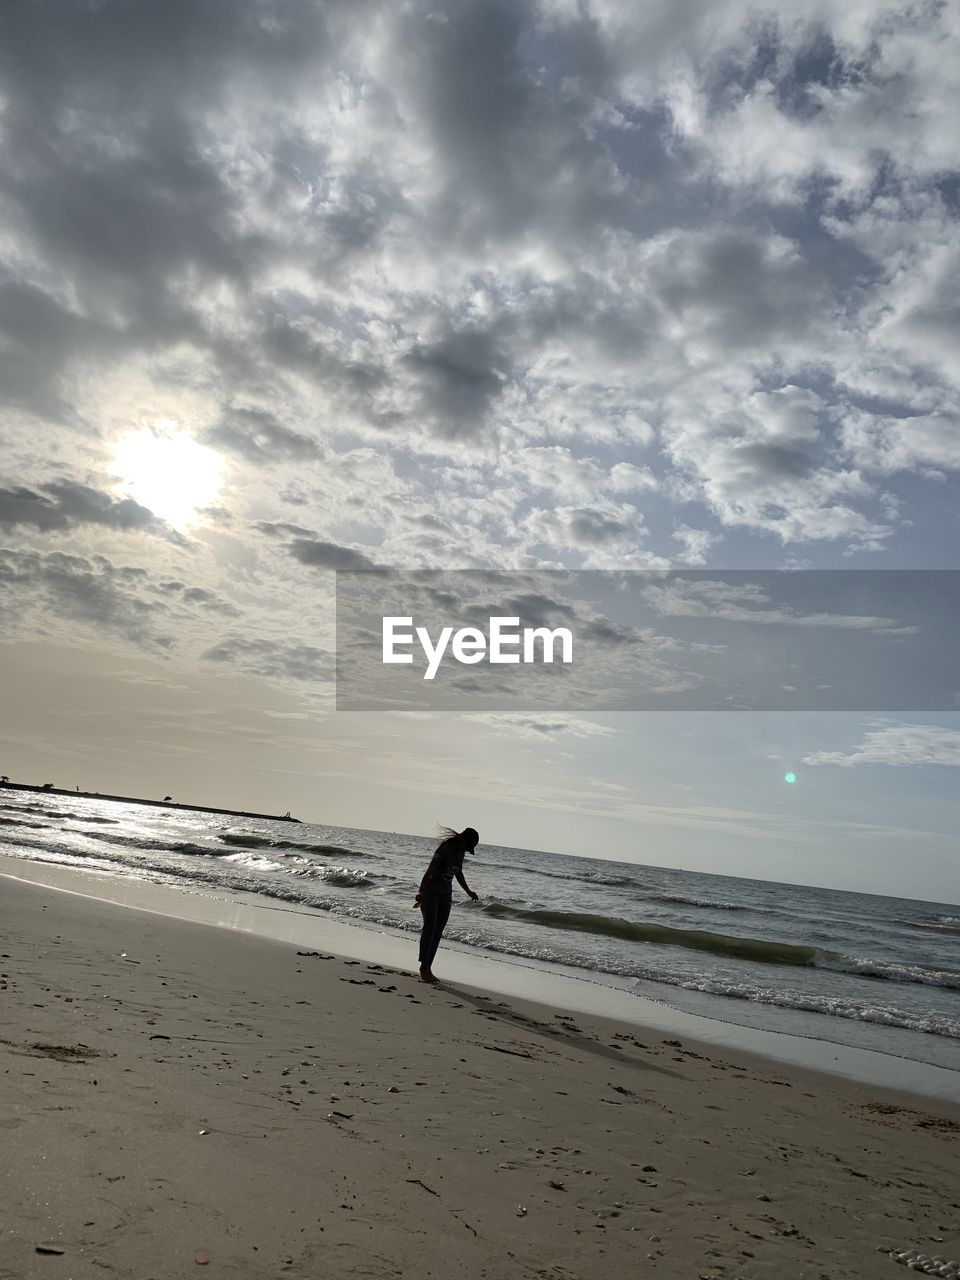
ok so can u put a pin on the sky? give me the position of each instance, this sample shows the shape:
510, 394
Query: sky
576, 284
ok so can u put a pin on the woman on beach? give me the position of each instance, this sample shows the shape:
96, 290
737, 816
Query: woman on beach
436, 891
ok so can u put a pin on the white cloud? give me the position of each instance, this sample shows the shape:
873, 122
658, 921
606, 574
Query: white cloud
890, 444
555, 468
748, 602
540, 727
906, 744
695, 543
515, 284
595, 527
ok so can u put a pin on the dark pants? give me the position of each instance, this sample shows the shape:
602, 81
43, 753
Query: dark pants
436, 913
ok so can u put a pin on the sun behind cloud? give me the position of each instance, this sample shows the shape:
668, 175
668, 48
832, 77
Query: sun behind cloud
164, 469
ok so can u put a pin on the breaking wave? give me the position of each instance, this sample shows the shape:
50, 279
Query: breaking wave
719, 944
243, 840
931, 1022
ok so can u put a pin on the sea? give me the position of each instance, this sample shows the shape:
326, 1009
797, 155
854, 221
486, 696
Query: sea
872, 972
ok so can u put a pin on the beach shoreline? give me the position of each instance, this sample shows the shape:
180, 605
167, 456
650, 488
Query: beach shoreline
174, 1091
535, 984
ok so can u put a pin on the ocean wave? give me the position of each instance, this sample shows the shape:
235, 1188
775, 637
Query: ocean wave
228, 875
590, 877
327, 850
252, 860
942, 924
890, 971
31, 808
678, 899
928, 1022
56, 813
344, 877
624, 881
246, 840
188, 848
58, 856
150, 844
761, 950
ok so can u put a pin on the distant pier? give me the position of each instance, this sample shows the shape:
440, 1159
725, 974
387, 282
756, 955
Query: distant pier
150, 804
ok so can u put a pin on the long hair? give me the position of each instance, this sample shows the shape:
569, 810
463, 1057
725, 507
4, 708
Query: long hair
448, 833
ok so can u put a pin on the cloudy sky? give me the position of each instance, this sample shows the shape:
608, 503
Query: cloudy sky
286, 288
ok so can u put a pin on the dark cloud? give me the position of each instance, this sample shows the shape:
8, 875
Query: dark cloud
201, 596
738, 289
90, 591
281, 529
316, 226
65, 504
425, 521
438, 596
457, 378
260, 438
537, 610
38, 335
290, 345
123, 51
328, 555
542, 726
111, 173
591, 528
597, 528
758, 463
605, 632
514, 156
104, 597
471, 684
303, 664
312, 551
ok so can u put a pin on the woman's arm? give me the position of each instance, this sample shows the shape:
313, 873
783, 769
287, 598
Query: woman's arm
463, 885
428, 875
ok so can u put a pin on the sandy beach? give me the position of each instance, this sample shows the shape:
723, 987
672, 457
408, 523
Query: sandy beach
175, 1095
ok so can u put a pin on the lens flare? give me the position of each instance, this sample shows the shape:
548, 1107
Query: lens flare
789, 777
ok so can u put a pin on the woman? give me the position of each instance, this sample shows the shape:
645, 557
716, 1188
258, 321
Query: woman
436, 891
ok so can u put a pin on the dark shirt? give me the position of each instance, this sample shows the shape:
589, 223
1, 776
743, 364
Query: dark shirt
446, 863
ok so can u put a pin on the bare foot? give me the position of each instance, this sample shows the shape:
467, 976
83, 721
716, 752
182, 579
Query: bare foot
426, 975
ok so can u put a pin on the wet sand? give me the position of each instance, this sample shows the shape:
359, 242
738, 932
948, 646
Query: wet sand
175, 1095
